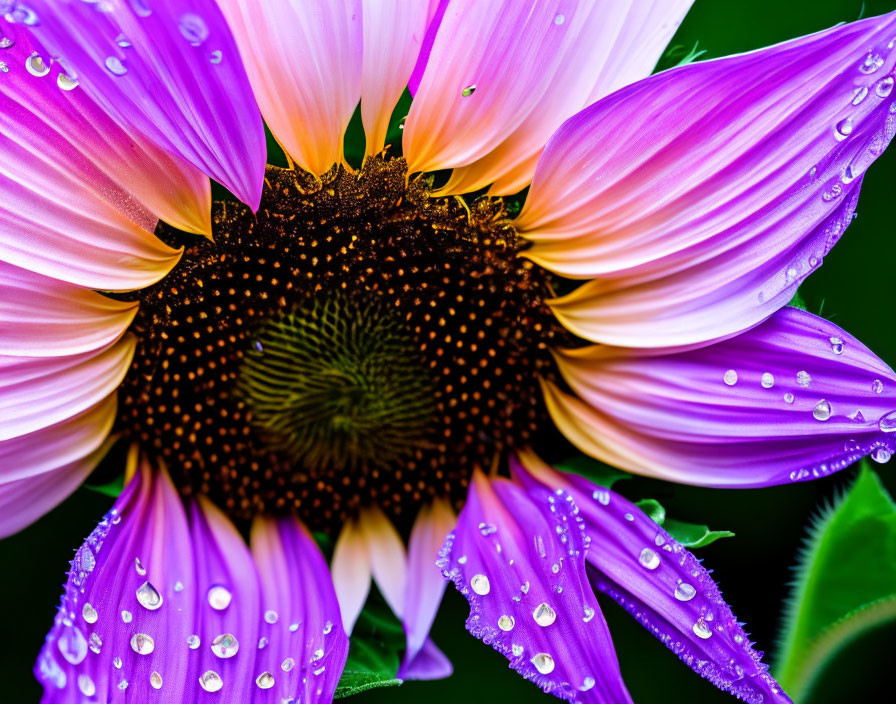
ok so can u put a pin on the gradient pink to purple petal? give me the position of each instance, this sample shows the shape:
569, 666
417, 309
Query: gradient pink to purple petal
692, 202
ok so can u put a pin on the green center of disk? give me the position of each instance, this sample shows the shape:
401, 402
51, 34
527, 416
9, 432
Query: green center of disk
338, 382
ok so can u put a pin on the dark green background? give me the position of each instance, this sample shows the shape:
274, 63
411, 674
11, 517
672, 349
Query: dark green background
857, 287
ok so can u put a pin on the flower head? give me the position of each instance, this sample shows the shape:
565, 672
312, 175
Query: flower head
367, 350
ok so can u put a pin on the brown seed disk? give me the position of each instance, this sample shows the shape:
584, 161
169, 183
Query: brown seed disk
473, 329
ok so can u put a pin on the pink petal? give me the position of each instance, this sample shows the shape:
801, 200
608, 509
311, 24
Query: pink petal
425, 585
393, 34
793, 398
529, 67
39, 391
351, 572
304, 62
42, 317
387, 556
40, 469
170, 70
700, 198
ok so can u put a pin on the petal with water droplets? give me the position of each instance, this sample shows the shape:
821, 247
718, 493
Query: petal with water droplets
676, 416
699, 198
519, 559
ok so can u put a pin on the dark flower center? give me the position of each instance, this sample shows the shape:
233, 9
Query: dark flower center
357, 340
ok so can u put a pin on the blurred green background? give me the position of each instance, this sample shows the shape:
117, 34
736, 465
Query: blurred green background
856, 286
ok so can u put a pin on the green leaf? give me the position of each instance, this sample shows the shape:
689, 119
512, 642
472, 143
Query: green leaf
113, 488
797, 301
654, 509
693, 535
845, 586
594, 470
373, 655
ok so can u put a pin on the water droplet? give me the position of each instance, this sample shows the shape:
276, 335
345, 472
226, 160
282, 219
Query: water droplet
96, 643
86, 685
788, 397
602, 496
822, 410
211, 681
122, 684
881, 455
468, 91
505, 623
877, 386
89, 613
193, 28
66, 82
193, 641
871, 63
293, 627
685, 592
265, 680
4, 67
848, 175
555, 568
141, 570
122, 41
859, 95
587, 684
767, 380
317, 655
487, 528
803, 379
178, 586
270, 616
589, 614
117, 662
480, 584
216, 57
36, 65
629, 517
887, 423
649, 559
142, 644
328, 626
155, 679
843, 129
116, 66
559, 19
141, 8
6, 41
524, 588
72, 644
262, 642
148, 597
701, 630
884, 87
225, 645
544, 663
544, 615
219, 597
730, 377
126, 616
287, 664
836, 345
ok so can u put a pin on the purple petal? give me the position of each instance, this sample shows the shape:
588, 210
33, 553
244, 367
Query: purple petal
427, 663
699, 198
518, 558
157, 600
169, 69
794, 398
661, 584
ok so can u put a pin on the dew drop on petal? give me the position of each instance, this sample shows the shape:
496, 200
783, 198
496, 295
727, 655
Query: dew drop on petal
685, 592
178, 586
836, 342
142, 644
505, 623
115, 66
788, 397
730, 377
887, 424
193, 641
884, 87
587, 684
544, 663
66, 82
287, 664
871, 63
36, 65
328, 626
468, 91
225, 645
881, 455
262, 642
193, 28
219, 597
270, 616
216, 57
701, 630
516, 649
544, 615
877, 386
649, 559
211, 681
803, 379
89, 613
859, 95
559, 19
265, 680
123, 684
141, 570
148, 597
155, 679
117, 662
589, 614
602, 496
122, 41
822, 410
480, 584
843, 129
72, 644
768, 380
86, 685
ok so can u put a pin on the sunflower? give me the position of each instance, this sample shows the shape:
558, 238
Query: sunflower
391, 354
